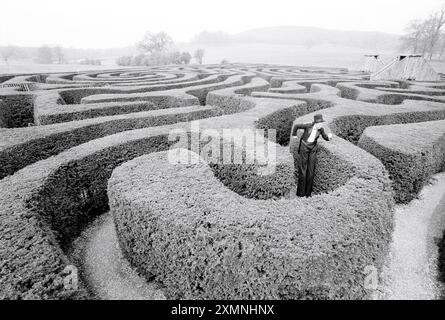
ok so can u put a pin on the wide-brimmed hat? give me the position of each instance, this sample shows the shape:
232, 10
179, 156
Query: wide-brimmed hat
318, 118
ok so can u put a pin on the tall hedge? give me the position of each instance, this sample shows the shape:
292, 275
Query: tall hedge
179, 224
17, 110
412, 153
46, 141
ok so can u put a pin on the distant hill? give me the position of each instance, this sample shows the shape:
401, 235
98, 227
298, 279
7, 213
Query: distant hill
307, 36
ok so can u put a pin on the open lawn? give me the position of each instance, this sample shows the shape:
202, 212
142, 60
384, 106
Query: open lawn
30, 67
292, 55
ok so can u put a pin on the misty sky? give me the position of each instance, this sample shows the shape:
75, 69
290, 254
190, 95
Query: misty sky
117, 23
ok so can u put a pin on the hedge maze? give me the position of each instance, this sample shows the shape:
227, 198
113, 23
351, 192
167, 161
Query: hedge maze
76, 146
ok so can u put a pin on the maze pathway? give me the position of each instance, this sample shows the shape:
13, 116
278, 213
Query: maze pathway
412, 270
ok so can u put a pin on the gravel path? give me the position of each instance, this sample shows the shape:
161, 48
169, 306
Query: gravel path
412, 267
107, 273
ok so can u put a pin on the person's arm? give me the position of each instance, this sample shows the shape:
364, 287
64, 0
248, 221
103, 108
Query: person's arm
296, 127
325, 136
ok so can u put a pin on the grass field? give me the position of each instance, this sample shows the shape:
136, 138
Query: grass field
292, 55
30, 67
321, 56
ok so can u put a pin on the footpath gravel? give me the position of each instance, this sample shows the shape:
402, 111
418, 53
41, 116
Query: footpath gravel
107, 273
411, 271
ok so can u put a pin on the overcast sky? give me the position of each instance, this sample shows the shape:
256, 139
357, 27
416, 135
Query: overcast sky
116, 23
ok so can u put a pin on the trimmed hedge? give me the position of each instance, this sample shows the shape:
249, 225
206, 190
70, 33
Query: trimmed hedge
320, 92
412, 153
61, 194
415, 89
291, 85
16, 110
21, 148
366, 92
203, 241
338, 165
49, 102
333, 176
244, 178
201, 232
351, 127
282, 120
50, 107
65, 114
166, 99
179, 84
290, 89
45, 205
307, 81
4, 78
442, 259
199, 91
166, 77
47, 141
75, 96
231, 100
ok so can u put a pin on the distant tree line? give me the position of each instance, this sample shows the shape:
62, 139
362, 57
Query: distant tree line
426, 36
157, 49
91, 62
50, 55
42, 55
155, 59
8, 53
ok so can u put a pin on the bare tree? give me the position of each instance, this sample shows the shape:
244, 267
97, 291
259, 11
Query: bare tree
155, 42
436, 23
424, 36
413, 38
198, 55
7, 53
441, 51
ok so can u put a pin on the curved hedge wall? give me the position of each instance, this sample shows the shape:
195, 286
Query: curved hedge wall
16, 110
40, 198
367, 92
20, 148
45, 205
37, 143
351, 185
203, 241
412, 153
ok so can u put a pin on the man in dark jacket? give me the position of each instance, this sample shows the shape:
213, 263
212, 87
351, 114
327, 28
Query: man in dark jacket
307, 152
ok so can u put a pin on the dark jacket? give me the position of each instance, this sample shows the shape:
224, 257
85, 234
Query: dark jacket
307, 127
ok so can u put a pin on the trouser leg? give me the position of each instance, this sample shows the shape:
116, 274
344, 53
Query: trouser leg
302, 162
312, 157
